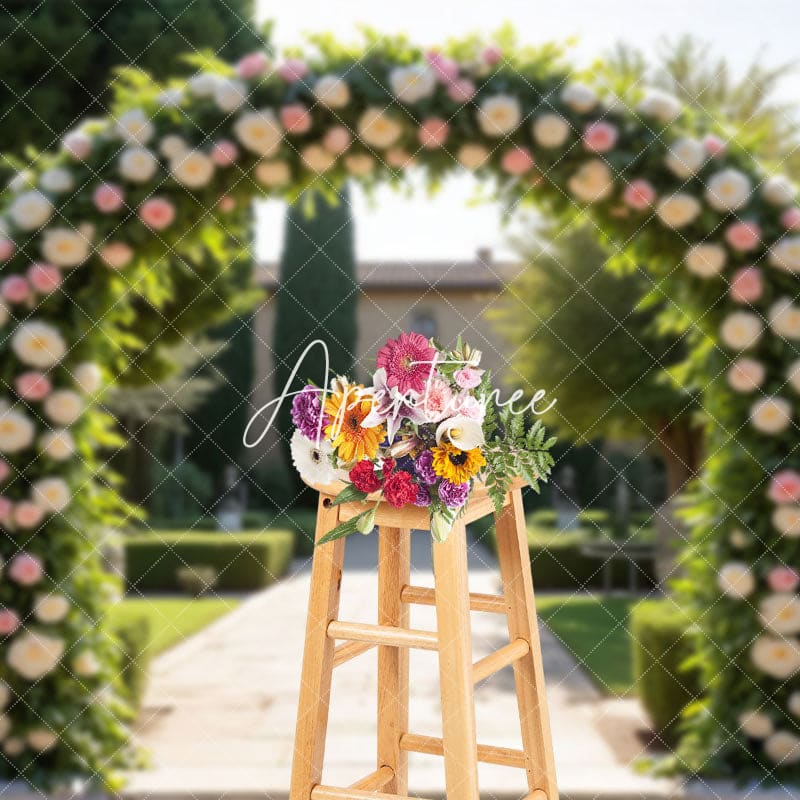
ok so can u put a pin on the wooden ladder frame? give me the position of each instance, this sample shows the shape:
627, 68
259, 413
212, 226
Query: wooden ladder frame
453, 641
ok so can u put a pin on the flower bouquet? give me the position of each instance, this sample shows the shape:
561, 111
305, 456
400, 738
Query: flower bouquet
426, 431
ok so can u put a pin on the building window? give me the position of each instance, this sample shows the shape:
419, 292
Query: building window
425, 323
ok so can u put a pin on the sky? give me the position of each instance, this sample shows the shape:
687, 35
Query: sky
449, 227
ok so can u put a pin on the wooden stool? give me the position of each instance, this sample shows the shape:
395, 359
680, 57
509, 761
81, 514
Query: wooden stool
453, 642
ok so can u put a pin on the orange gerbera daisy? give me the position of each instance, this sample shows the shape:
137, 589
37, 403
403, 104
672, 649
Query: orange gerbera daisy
347, 409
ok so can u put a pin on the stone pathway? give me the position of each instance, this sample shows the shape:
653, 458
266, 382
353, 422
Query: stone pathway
220, 712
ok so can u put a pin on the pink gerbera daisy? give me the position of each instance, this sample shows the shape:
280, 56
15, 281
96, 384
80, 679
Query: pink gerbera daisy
408, 361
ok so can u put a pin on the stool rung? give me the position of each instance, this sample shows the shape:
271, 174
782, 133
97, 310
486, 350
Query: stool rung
383, 634
345, 652
422, 596
334, 793
536, 794
494, 662
487, 753
375, 781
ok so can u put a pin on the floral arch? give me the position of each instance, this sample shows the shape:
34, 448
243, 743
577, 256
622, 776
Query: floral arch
84, 244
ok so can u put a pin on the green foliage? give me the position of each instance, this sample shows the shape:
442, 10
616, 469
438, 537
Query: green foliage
133, 637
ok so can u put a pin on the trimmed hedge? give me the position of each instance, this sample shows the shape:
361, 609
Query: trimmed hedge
661, 641
243, 561
134, 638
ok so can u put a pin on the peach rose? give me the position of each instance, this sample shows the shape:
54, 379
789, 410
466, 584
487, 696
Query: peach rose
743, 236
461, 90
600, 137
108, 197
32, 385
433, 133
15, 289
45, 278
790, 219
296, 119
337, 139
639, 194
116, 255
252, 65
746, 285
293, 69
517, 161
25, 569
9, 621
783, 579
157, 213
784, 487
224, 153
746, 375
27, 514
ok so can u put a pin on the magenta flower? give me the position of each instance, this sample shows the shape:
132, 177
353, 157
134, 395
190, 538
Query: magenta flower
408, 361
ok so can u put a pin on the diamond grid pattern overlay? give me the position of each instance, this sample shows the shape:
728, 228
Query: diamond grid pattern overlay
201, 209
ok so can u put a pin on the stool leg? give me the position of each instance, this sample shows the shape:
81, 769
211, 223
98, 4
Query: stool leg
515, 571
394, 572
455, 665
315, 680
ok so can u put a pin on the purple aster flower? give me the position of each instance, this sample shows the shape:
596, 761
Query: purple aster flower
453, 495
423, 496
307, 413
423, 466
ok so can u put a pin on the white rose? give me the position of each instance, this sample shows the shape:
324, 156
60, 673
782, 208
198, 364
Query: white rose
685, 157
412, 83
678, 210
780, 613
172, 146
88, 377
51, 608
360, 164
78, 144
778, 190
5, 695
63, 407
193, 169
204, 84
499, 115
41, 739
779, 658
579, 97
786, 520
135, 127
784, 318
706, 260
793, 375
137, 164
728, 190
741, 330
33, 655
56, 180
473, 156
86, 664
30, 210
38, 344
259, 131
51, 494
64, 247
16, 431
378, 129
755, 724
592, 182
792, 705
736, 580
746, 375
771, 415
550, 130
316, 158
783, 748
58, 445
332, 91
785, 254
230, 94
272, 173
660, 105
22, 180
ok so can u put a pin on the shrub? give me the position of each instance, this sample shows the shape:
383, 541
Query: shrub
134, 638
243, 561
661, 641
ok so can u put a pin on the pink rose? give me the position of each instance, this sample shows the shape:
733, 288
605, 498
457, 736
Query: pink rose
25, 569
468, 377
293, 69
743, 236
45, 278
32, 385
470, 407
445, 68
714, 145
790, 219
639, 194
517, 161
491, 55
116, 255
157, 213
224, 153
15, 289
461, 90
746, 285
6, 507
252, 65
6, 249
784, 487
783, 579
27, 514
600, 136
5, 470
296, 119
108, 197
433, 133
337, 139
9, 621
226, 204
77, 144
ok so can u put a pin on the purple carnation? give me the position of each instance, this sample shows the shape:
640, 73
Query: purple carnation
423, 466
423, 496
453, 495
307, 412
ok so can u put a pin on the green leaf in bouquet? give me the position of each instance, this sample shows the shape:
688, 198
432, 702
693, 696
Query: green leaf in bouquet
441, 525
346, 528
348, 495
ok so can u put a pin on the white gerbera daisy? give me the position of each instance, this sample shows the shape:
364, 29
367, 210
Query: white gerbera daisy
311, 461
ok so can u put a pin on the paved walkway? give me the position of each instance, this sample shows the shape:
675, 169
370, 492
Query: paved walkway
219, 717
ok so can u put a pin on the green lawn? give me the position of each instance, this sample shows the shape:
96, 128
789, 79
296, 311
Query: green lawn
595, 631
171, 618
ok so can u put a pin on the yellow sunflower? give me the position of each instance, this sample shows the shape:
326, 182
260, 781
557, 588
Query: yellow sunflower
457, 466
347, 409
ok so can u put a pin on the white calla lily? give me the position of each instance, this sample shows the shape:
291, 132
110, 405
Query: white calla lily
462, 432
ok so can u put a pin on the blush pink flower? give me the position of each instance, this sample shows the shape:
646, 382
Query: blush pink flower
25, 569
783, 579
784, 487
28, 515
77, 144
296, 119
5, 470
108, 198
157, 213
408, 361
293, 69
433, 133
32, 386
116, 255
6, 507
600, 136
6, 249
468, 377
45, 278
15, 289
9, 621
337, 139
436, 401
491, 55
746, 285
467, 405
714, 145
461, 90
252, 65
517, 161
224, 153
226, 204
639, 194
790, 219
445, 68
743, 236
